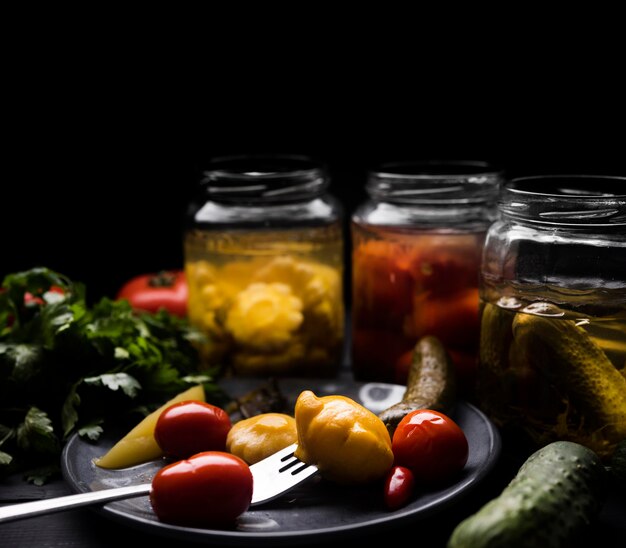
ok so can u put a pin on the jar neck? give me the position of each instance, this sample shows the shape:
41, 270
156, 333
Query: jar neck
435, 184
577, 202
264, 180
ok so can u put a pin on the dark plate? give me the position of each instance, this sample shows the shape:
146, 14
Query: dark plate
314, 511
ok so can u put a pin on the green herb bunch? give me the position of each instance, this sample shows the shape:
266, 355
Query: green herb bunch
66, 367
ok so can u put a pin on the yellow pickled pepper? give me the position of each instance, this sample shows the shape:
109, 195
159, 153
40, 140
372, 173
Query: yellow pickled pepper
257, 437
347, 442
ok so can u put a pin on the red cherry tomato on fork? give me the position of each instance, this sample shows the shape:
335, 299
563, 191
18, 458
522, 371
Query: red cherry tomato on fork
189, 427
210, 489
431, 445
151, 292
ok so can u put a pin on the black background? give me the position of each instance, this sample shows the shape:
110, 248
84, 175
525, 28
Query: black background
99, 163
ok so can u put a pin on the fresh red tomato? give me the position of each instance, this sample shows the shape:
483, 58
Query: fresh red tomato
431, 445
399, 487
189, 427
210, 489
151, 292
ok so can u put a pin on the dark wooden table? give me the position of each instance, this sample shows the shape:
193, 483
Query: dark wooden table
86, 528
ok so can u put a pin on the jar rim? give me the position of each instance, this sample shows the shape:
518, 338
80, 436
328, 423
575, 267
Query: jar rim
562, 201
428, 169
262, 166
436, 182
527, 186
264, 178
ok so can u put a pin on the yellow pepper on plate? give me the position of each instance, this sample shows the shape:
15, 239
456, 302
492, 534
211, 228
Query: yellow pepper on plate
348, 443
257, 437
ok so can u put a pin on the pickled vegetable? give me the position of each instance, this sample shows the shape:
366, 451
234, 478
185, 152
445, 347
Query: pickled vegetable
431, 384
258, 437
546, 371
270, 305
565, 353
410, 285
139, 445
347, 442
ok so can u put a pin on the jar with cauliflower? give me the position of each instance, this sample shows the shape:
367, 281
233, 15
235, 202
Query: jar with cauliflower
264, 264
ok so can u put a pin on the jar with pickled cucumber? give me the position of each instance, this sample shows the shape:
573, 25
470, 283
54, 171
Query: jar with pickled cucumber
416, 250
553, 312
264, 262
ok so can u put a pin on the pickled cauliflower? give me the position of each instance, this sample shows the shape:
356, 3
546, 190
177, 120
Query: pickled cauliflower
264, 315
279, 315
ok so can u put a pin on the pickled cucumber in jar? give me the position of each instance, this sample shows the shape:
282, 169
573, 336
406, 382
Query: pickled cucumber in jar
552, 358
555, 372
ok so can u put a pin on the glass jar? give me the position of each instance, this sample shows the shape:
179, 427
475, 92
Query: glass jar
264, 262
417, 245
553, 311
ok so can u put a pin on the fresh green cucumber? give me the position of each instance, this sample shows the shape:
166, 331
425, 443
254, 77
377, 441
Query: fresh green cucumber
556, 493
431, 383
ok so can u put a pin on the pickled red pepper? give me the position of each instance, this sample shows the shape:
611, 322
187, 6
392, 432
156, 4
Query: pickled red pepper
409, 286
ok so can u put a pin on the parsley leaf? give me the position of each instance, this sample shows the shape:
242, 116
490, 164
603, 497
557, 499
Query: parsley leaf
67, 367
116, 380
36, 432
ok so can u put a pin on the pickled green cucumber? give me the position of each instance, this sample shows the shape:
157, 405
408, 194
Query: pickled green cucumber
565, 353
431, 383
618, 461
556, 493
495, 338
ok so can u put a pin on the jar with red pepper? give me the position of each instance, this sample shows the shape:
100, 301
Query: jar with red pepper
416, 251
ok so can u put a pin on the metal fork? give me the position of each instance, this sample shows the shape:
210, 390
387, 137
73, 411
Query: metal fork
278, 474
273, 476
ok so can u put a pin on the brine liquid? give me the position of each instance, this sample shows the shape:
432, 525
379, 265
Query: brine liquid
271, 301
553, 366
407, 284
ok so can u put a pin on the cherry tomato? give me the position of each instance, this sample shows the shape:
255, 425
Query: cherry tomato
453, 318
211, 488
398, 487
190, 427
381, 286
151, 292
431, 444
446, 264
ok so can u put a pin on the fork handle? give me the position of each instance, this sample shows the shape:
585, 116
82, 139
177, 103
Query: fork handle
67, 502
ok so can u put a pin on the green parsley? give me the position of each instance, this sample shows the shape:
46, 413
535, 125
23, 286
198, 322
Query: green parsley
66, 368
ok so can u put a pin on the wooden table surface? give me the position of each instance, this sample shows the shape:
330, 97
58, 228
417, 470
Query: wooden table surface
86, 528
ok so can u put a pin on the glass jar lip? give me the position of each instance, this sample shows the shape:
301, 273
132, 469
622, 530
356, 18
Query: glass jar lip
429, 169
435, 182
264, 177
528, 186
581, 202
262, 166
